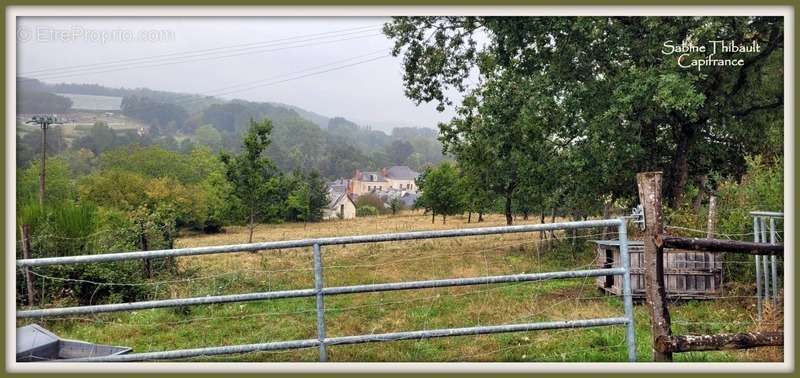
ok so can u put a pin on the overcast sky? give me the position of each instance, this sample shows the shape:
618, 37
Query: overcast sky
243, 58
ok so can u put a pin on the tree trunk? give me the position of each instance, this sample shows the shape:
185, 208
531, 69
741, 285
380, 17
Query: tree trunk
252, 225
469, 217
649, 144
542, 234
553, 220
480, 217
42, 173
525, 215
433, 217
509, 216
170, 239
680, 167
606, 211
444, 218
701, 186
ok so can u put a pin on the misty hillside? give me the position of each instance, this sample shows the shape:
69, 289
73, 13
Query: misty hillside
301, 139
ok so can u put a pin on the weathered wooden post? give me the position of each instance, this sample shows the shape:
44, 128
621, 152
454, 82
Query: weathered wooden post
25, 231
143, 240
711, 225
649, 185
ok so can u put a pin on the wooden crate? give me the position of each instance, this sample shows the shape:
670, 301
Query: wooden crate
687, 274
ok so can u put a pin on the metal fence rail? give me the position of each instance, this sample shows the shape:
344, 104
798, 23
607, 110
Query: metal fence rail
319, 291
763, 224
360, 339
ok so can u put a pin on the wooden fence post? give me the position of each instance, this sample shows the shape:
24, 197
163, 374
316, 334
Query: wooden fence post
711, 225
649, 185
25, 231
143, 240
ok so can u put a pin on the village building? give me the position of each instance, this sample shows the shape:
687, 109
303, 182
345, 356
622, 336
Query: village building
401, 178
340, 206
339, 186
388, 183
407, 198
396, 177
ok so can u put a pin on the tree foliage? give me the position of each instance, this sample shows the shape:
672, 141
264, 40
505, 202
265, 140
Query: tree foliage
98, 139
161, 116
208, 136
38, 102
251, 173
441, 192
628, 107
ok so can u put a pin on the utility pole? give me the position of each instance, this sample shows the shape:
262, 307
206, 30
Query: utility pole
44, 123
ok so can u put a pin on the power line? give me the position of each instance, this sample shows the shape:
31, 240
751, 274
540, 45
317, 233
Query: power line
221, 91
306, 75
272, 80
198, 58
178, 54
202, 96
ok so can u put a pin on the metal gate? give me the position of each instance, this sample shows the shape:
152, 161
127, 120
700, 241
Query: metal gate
320, 291
763, 225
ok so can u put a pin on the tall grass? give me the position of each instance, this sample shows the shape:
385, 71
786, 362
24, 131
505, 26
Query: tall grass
69, 229
60, 229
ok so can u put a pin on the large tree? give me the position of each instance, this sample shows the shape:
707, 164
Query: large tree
508, 134
636, 106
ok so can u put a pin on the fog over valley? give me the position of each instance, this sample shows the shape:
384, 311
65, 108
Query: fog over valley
329, 66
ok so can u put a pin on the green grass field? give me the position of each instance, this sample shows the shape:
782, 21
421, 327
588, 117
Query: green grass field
267, 321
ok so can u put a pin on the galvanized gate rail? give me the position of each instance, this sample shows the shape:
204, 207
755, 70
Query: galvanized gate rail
760, 228
319, 291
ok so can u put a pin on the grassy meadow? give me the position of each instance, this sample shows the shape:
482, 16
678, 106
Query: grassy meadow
267, 321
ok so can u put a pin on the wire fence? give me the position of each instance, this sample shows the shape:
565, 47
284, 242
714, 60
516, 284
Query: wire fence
483, 254
505, 254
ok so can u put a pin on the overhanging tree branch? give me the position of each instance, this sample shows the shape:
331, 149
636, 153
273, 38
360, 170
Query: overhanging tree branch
774, 105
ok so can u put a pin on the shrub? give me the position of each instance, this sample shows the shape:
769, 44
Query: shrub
60, 186
366, 211
396, 205
761, 188
65, 229
371, 200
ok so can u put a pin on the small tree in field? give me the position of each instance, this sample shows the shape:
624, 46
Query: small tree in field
441, 192
251, 171
395, 204
318, 196
308, 198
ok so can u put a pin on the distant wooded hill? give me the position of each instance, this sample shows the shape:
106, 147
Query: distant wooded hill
301, 139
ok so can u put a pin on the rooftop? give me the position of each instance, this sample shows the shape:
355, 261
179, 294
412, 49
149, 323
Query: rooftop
333, 198
401, 172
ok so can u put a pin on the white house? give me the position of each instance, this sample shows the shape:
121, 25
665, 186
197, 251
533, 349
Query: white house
339, 207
